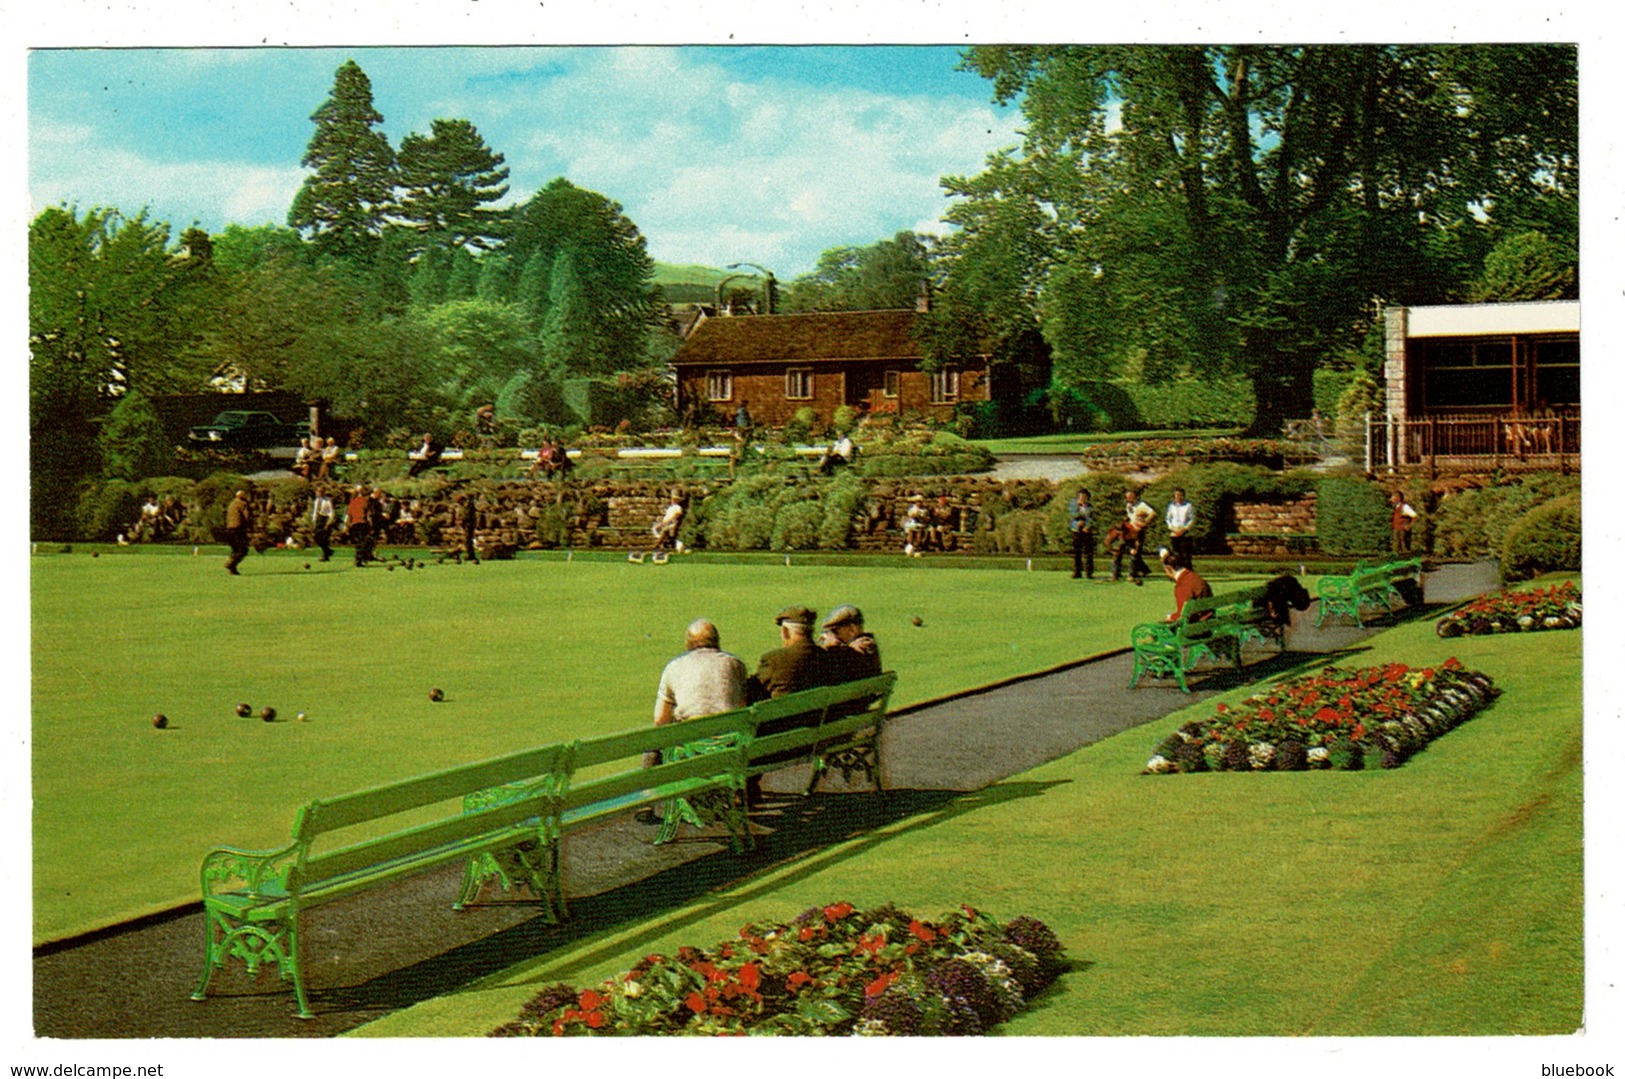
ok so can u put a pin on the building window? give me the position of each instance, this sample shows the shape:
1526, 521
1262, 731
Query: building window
719, 386
1557, 373
1465, 374
944, 386
894, 384
798, 384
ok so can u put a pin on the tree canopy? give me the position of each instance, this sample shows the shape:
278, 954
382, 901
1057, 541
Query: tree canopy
1251, 207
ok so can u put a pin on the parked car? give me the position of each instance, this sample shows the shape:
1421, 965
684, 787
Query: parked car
249, 430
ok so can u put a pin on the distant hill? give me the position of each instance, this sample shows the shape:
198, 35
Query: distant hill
692, 283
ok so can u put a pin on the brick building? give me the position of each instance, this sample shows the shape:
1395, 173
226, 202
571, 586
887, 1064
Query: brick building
779, 364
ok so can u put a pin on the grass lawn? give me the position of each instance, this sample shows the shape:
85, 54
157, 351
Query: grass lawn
1061, 445
1440, 898
527, 652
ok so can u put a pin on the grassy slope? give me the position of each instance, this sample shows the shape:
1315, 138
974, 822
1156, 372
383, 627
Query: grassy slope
1444, 897
527, 652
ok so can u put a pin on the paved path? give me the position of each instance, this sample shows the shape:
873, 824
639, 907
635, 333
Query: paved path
396, 946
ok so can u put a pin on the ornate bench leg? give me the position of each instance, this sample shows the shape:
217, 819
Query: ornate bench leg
213, 958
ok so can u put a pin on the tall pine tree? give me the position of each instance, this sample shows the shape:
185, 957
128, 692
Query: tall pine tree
342, 206
448, 180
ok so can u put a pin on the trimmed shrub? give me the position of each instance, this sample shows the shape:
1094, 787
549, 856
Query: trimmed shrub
841, 500
104, 508
1352, 516
1474, 523
1545, 539
796, 526
132, 441
1204, 402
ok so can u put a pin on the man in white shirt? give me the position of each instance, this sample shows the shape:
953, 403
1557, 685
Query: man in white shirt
703, 681
1137, 518
1181, 515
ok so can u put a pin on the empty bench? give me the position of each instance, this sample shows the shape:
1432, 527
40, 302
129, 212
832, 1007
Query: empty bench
1367, 585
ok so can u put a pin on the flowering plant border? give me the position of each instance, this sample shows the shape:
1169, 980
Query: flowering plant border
1523, 611
831, 970
1335, 719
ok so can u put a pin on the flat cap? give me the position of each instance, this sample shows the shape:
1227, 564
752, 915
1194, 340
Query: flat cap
799, 616
843, 614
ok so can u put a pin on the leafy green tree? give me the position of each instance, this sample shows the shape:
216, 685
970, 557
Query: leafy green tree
610, 263
343, 205
475, 348
886, 274
1527, 266
448, 180
1240, 207
132, 441
568, 334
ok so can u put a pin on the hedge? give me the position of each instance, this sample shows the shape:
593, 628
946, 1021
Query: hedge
1352, 517
1545, 539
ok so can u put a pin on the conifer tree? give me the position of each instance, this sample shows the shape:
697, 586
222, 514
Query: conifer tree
342, 206
448, 180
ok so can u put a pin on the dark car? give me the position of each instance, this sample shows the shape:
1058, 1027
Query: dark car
249, 430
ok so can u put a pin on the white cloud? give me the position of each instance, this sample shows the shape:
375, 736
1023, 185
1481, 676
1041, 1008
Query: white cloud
718, 170
210, 190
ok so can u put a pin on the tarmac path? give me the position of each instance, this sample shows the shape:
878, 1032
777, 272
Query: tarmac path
401, 944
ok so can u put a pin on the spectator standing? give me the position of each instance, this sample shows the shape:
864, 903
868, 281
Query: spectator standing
1402, 521
1081, 519
850, 651
358, 525
1137, 518
1188, 584
1180, 516
322, 516
239, 518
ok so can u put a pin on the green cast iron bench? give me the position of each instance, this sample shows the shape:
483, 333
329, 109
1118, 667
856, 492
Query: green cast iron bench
835, 728
1366, 585
1212, 628
340, 846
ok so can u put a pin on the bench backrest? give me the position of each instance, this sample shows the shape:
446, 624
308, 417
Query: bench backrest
436, 796
805, 718
618, 759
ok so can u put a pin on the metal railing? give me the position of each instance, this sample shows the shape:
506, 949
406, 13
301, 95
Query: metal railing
1456, 443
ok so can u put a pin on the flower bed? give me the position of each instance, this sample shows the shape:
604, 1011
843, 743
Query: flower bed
832, 970
1337, 719
1524, 611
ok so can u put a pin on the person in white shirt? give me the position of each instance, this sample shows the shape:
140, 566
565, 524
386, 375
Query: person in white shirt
1181, 515
1137, 518
703, 681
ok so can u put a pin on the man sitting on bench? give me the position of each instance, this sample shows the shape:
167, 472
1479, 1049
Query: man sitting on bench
425, 456
1188, 584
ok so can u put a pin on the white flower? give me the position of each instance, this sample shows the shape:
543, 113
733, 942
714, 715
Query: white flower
1526, 620
633, 990
1159, 764
1319, 753
1552, 621
1260, 754
870, 1028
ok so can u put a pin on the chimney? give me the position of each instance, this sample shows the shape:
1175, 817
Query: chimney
922, 302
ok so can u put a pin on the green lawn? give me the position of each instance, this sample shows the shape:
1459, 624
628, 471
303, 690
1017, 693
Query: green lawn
1441, 898
1061, 445
528, 651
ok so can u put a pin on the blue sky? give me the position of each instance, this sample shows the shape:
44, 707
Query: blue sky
720, 154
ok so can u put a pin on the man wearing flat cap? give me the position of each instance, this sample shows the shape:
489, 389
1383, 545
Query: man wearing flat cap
850, 652
795, 665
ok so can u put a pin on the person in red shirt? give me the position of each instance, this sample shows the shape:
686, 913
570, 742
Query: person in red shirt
1188, 584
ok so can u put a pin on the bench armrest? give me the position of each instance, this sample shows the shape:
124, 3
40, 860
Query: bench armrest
231, 870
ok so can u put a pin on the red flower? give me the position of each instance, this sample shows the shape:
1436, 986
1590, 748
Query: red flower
798, 979
921, 930
594, 1019
590, 1000
878, 986
750, 976
836, 911
695, 1003
806, 932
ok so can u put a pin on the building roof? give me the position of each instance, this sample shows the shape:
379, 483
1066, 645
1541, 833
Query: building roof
1485, 319
823, 336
